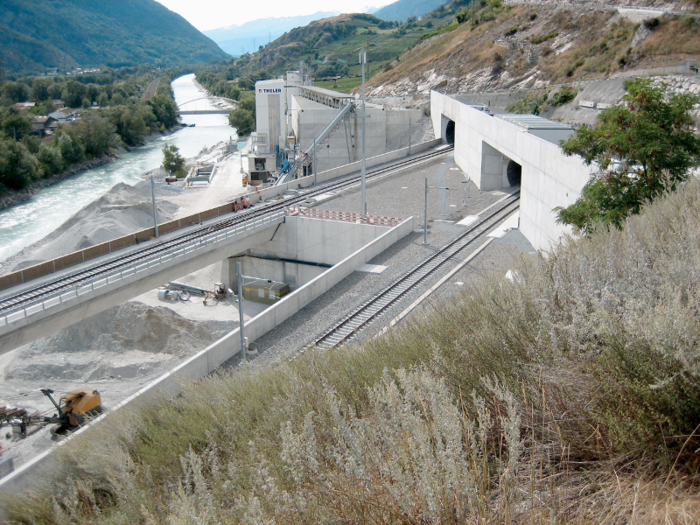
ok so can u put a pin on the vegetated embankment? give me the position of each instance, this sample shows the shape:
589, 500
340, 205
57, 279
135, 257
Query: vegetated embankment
570, 393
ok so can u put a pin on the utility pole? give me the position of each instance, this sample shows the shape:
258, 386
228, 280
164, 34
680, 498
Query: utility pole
153, 198
314, 164
240, 309
425, 214
363, 61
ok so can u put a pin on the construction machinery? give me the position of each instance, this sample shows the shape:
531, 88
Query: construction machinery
73, 409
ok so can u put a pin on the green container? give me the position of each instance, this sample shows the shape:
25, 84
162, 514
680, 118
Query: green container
264, 292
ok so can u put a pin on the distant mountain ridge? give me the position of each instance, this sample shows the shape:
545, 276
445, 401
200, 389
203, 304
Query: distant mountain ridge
246, 38
40, 34
404, 9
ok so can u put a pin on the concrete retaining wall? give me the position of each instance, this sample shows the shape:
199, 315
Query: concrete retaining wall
206, 361
318, 241
295, 274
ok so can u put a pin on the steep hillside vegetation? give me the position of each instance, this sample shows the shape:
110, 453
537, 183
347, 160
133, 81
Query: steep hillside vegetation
497, 45
40, 34
570, 394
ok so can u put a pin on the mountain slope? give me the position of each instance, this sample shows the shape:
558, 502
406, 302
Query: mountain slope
329, 45
248, 36
506, 46
403, 9
37, 34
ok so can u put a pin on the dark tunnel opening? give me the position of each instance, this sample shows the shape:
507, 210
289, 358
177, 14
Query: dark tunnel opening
514, 173
450, 132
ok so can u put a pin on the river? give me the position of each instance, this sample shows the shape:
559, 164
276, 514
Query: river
26, 223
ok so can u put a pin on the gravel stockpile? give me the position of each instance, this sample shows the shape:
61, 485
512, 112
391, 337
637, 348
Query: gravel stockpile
450, 199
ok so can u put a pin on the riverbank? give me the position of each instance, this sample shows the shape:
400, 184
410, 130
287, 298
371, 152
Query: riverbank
17, 197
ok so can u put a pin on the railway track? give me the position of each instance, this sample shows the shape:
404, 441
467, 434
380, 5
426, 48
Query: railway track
350, 326
27, 297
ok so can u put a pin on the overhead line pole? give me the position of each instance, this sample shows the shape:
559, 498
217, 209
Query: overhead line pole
363, 61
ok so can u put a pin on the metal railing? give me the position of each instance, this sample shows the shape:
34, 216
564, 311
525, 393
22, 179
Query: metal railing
129, 269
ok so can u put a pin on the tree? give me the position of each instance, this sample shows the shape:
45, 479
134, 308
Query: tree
16, 125
74, 93
164, 109
242, 120
96, 133
18, 167
642, 148
173, 162
243, 117
71, 150
50, 159
40, 88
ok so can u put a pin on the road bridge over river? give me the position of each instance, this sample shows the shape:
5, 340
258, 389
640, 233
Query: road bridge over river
205, 112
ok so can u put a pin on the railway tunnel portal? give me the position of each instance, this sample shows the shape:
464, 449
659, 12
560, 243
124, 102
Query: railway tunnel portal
503, 151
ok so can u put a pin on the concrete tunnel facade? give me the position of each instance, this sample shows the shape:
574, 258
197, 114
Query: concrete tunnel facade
500, 152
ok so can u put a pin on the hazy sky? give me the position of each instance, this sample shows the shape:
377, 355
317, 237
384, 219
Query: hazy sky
211, 14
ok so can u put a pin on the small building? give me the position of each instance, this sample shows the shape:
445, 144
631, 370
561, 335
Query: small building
23, 106
65, 115
42, 125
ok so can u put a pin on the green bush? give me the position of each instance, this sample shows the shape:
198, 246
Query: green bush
544, 37
565, 95
531, 105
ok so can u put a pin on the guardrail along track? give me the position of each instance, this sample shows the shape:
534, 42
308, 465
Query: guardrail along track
365, 314
203, 235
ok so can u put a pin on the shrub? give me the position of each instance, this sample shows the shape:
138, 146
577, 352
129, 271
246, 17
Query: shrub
565, 95
530, 105
544, 37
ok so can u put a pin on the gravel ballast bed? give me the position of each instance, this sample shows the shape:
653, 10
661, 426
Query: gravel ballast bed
400, 195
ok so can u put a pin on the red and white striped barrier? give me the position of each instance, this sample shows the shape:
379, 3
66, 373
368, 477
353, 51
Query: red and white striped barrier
331, 215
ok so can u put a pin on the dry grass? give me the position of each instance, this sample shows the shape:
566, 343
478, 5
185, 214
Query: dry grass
559, 45
571, 395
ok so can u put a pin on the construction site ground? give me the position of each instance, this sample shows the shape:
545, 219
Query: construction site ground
121, 350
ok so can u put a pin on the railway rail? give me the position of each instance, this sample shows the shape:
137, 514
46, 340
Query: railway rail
350, 326
12, 302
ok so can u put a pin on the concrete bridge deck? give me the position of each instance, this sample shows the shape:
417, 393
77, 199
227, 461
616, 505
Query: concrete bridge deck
206, 112
96, 291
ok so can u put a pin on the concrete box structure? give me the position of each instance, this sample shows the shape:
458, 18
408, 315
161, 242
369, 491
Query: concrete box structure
289, 115
301, 249
270, 110
496, 151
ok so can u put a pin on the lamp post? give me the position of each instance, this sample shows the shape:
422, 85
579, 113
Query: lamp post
240, 309
363, 61
153, 198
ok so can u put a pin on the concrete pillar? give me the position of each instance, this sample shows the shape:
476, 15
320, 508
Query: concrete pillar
229, 276
492, 168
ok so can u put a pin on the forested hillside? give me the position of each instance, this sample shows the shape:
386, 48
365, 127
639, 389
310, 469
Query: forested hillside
40, 34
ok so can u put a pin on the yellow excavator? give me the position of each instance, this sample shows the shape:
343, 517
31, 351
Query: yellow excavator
73, 409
